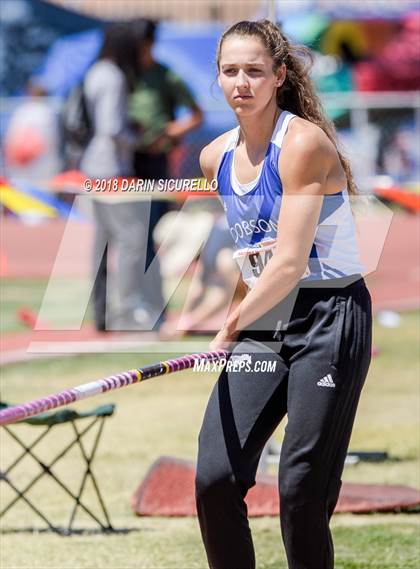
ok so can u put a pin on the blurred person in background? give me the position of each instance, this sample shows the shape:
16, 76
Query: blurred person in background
119, 221
158, 96
32, 139
218, 280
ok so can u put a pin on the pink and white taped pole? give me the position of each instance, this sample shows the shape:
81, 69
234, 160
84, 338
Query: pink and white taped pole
67, 396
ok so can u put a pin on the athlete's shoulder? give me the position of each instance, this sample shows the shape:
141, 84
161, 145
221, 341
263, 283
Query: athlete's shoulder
307, 154
211, 154
305, 137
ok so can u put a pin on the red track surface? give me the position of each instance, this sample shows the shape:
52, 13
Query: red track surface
31, 250
168, 490
395, 285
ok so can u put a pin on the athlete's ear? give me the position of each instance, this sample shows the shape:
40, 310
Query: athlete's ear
281, 75
218, 80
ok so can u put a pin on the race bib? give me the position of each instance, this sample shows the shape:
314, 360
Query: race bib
252, 260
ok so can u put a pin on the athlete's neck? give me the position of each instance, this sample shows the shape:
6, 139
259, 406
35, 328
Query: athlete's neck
256, 131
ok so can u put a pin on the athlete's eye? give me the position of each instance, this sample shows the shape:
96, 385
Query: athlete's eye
254, 71
229, 71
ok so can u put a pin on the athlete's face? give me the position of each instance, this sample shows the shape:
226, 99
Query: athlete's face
246, 74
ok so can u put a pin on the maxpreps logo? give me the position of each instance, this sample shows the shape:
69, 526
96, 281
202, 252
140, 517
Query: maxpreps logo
236, 363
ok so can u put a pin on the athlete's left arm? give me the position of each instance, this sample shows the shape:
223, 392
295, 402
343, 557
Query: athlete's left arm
304, 165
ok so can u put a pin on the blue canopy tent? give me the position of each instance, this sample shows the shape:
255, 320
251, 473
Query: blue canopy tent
67, 61
188, 50
28, 29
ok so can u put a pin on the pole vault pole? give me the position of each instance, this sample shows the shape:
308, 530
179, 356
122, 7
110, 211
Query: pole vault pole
67, 396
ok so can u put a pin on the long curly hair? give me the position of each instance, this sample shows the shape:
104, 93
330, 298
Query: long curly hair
297, 94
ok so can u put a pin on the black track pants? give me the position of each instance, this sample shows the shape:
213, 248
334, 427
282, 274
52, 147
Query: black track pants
320, 370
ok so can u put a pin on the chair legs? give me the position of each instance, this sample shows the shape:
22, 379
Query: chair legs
28, 502
88, 473
88, 458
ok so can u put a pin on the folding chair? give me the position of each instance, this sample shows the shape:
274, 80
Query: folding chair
50, 420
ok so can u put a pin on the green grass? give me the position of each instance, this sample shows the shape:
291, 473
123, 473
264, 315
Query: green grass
15, 294
157, 543
163, 417
33, 293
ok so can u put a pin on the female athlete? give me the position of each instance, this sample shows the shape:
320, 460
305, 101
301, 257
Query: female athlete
285, 189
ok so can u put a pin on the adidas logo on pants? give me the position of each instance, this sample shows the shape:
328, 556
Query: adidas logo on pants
326, 381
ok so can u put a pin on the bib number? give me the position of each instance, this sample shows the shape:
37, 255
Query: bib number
259, 260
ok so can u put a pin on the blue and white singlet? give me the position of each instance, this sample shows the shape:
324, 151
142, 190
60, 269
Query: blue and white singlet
252, 212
